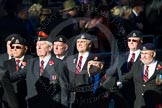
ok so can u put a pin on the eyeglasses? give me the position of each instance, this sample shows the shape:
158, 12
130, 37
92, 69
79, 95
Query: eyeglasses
17, 47
133, 40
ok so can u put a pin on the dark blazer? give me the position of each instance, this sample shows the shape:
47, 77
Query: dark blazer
3, 57
19, 85
148, 94
123, 97
122, 64
80, 86
81, 78
41, 91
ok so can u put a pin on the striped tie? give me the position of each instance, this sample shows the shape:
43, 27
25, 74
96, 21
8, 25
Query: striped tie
132, 58
145, 76
131, 61
41, 68
17, 64
79, 65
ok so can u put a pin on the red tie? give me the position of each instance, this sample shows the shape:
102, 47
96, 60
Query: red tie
17, 64
41, 68
79, 65
132, 58
131, 61
145, 76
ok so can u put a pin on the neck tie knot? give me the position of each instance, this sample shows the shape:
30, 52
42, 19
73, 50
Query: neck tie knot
42, 62
17, 64
147, 67
133, 57
41, 67
81, 57
79, 65
17, 61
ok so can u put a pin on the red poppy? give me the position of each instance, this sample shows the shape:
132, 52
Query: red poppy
51, 62
159, 67
23, 63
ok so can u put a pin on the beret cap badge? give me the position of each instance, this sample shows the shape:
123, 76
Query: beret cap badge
82, 37
134, 35
17, 41
144, 48
12, 38
60, 39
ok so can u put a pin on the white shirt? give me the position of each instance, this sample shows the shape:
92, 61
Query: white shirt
83, 59
151, 69
137, 53
21, 59
46, 59
61, 58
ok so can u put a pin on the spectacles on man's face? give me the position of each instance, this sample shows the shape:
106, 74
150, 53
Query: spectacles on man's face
17, 47
133, 40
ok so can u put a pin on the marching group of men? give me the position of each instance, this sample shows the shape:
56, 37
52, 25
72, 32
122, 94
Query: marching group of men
52, 79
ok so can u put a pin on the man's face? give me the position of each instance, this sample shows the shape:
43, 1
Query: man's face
9, 50
134, 43
18, 50
83, 45
59, 48
147, 56
43, 48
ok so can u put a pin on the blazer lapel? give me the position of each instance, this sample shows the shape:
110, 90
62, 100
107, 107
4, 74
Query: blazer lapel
73, 64
50, 67
156, 72
36, 68
11, 65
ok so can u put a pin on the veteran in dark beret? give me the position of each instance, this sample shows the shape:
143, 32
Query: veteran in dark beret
19, 48
60, 47
146, 75
81, 88
123, 97
8, 55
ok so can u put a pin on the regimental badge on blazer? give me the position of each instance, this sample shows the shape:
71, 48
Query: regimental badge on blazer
158, 79
74, 60
53, 79
51, 62
159, 75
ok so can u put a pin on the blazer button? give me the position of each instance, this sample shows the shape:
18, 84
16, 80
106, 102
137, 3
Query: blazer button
142, 94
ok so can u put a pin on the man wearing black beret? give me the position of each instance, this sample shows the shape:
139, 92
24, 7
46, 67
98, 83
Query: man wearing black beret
8, 55
80, 85
124, 98
60, 47
19, 48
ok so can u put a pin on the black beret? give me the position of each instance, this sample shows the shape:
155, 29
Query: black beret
19, 40
86, 36
147, 46
60, 38
135, 33
11, 37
